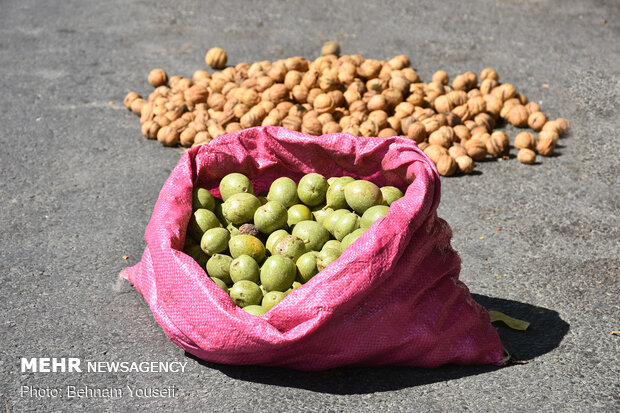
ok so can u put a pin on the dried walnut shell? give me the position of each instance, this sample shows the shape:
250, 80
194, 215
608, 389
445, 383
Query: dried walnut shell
498, 145
446, 166
157, 77
476, 149
526, 156
387, 132
465, 164
369, 128
216, 58
311, 126
233, 127
168, 136
435, 152
129, 98
150, 129
443, 136
546, 142
456, 150
196, 94
517, 116
416, 132
187, 137
137, 104
536, 120
525, 140
323, 103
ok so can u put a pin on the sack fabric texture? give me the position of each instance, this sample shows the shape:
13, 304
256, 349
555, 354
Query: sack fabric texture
392, 298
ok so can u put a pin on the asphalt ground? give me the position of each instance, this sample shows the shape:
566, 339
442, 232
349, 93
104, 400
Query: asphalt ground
78, 184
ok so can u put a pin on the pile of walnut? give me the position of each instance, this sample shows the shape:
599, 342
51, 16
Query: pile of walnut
453, 124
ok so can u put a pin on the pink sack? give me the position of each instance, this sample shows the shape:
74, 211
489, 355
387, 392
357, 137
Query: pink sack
392, 298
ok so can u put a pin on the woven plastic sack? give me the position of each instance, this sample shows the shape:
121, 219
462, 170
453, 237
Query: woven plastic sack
392, 298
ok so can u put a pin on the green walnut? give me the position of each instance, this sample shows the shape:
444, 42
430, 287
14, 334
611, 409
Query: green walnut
361, 195
270, 217
326, 257
334, 244
313, 234
218, 266
283, 190
350, 238
220, 284
201, 221
312, 188
245, 293
215, 241
297, 213
257, 310
391, 194
335, 193
306, 267
332, 219
295, 285
372, 214
244, 267
272, 298
346, 225
291, 247
321, 214
247, 245
274, 238
233, 229
240, 208
235, 183
202, 198
278, 273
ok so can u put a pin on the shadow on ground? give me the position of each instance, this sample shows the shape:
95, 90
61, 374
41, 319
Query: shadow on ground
545, 333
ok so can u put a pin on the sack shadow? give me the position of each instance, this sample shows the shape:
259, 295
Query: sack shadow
545, 333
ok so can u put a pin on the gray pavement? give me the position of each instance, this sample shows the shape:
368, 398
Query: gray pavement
78, 183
